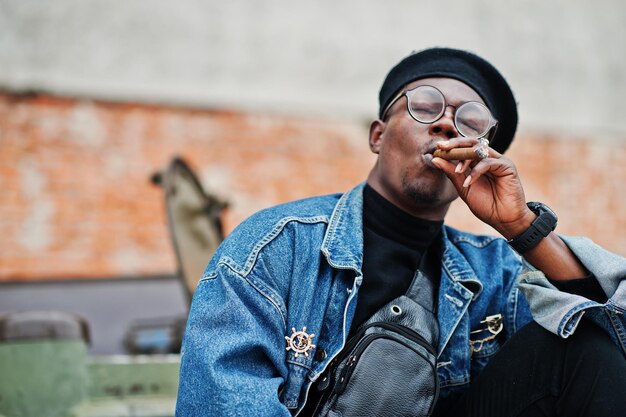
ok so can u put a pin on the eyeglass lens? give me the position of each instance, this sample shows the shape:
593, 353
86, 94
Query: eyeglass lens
427, 104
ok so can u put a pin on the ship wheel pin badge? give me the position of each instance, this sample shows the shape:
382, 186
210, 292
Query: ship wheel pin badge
300, 341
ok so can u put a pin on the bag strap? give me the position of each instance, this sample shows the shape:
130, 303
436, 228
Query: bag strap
422, 291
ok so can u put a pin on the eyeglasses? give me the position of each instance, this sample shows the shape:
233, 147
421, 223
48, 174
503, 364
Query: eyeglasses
426, 104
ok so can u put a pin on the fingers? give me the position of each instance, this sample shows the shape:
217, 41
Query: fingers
465, 173
454, 152
450, 169
463, 166
446, 166
495, 166
463, 142
460, 142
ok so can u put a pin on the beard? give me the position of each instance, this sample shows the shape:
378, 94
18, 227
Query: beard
423, 193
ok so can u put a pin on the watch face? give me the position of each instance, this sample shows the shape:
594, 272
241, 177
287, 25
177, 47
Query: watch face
537, 208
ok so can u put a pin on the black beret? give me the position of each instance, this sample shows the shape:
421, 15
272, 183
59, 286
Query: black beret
464, 66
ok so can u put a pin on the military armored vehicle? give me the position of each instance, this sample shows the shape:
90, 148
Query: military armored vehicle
45, 368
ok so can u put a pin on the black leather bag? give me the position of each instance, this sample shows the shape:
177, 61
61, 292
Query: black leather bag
389, 367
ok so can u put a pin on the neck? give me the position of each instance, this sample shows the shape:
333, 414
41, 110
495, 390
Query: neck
385, 219
428, 211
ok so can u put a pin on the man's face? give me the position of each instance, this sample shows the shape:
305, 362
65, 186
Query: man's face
403, 173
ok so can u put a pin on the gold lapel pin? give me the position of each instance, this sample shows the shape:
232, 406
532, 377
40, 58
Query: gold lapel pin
300, 341
494, 326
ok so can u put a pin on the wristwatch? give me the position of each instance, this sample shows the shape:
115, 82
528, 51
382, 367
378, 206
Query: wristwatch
539, 228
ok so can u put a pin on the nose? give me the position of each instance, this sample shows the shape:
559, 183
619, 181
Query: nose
445, 125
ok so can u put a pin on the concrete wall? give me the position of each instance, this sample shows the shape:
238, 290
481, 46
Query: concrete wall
565, 59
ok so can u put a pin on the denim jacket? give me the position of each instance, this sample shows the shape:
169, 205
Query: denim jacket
297, 267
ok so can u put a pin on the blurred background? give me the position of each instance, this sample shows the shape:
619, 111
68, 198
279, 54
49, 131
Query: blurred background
264, 102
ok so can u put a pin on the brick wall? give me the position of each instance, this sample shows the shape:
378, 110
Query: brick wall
76, 198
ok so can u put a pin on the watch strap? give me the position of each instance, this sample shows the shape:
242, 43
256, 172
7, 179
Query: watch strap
539, 229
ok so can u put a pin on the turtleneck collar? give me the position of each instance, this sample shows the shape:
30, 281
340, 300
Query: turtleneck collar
391, 222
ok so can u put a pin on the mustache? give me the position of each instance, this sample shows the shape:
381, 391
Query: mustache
431, 146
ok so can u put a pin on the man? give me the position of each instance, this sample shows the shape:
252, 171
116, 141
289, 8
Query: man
290, 291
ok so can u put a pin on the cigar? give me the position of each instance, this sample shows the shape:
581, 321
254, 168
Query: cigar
460, 154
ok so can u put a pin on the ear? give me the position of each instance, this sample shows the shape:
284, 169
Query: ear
377, 128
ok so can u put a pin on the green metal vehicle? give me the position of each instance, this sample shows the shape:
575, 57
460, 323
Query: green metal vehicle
45, 368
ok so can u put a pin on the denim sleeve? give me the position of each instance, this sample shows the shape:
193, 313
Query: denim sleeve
517, 312
560, 312
232, 360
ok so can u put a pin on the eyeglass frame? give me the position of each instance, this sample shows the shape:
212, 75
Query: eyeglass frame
490, 131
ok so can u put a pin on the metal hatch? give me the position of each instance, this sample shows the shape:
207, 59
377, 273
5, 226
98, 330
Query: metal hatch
193, 218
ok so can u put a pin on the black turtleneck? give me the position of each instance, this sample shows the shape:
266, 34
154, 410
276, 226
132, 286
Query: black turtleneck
394, 243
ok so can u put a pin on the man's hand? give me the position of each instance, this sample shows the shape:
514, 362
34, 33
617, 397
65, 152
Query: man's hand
490, 187
492, 190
